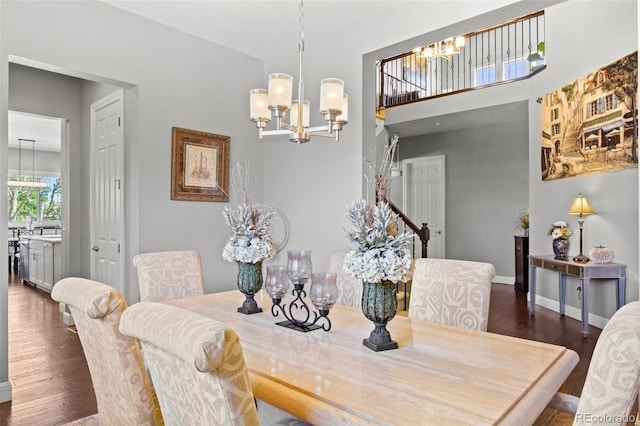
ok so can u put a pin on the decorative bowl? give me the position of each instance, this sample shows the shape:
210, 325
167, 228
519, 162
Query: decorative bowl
601, 254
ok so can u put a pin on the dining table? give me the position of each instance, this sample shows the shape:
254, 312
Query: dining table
439, 374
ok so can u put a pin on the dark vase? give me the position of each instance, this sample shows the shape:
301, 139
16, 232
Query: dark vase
379, 304
249, 283
561, 249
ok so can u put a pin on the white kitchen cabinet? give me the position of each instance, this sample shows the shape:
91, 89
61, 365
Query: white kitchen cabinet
44, 262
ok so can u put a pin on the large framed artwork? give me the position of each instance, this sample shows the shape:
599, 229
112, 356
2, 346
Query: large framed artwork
590, 126
199, 166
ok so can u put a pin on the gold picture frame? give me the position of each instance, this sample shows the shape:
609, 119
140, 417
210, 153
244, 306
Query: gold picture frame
199, 166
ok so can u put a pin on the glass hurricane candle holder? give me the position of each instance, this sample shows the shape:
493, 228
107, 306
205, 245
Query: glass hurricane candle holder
323, 291
323, 295
276, 282
299, 266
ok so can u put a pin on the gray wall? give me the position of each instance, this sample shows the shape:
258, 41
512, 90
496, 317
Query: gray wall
487, 184
172, 79
44, 162
614, 195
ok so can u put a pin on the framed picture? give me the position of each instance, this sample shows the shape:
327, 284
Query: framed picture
199, 166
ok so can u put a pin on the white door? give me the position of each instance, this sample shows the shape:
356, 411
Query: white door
423, 199
107, 218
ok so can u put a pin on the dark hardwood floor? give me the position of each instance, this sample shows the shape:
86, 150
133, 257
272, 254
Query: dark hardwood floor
52, 386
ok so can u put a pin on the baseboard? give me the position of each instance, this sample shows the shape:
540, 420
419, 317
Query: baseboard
570, 311
5, 392
499, 279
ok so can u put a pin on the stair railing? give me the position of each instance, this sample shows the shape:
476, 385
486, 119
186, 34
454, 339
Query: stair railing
423, 233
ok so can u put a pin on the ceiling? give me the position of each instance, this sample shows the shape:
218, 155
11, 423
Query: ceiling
236, 23
497, 114
45, 131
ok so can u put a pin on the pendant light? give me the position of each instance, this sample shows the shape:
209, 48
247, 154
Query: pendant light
26, 182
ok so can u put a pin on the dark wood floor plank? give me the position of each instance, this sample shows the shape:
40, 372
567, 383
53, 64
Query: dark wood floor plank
52, 385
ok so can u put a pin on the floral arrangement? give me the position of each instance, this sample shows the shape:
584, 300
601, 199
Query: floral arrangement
250, 240
523, 220
559, 230
379, 252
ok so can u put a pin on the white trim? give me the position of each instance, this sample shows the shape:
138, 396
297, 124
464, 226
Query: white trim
5, 392
570, 311
500, 279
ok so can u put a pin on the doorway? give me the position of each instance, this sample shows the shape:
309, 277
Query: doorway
37, 205
423, 198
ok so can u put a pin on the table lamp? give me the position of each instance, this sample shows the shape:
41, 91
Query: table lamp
581, 208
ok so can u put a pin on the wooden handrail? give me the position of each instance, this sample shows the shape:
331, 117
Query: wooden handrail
423, 233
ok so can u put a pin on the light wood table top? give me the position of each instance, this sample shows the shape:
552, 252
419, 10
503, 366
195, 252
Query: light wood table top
439, 375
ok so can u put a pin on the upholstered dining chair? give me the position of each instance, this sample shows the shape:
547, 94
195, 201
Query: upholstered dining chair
169, 275
349, 288
196, 365
453, 292
123, 392
613, 379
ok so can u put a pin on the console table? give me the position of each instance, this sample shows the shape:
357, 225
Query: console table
583, 271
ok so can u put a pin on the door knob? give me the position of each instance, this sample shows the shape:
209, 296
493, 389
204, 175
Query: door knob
439, 232
95, 248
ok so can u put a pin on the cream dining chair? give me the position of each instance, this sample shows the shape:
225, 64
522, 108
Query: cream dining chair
169, 275
123, 392
613, 378
453, 292
196, 365
349, 288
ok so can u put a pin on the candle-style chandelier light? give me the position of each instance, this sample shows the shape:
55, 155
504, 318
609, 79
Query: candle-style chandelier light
31, 182
274, 103
442, 49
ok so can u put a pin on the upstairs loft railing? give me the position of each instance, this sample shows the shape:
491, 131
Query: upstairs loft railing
504, 53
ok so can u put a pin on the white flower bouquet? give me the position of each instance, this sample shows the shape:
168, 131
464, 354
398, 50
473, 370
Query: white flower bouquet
379, 252
559, 230
250, 240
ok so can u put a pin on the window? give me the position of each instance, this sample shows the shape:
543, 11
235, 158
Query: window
555, 129
554, 114
514, 69
611, 102
486, 75
40, 204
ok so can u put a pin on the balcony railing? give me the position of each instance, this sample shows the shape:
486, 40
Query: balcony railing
507, 52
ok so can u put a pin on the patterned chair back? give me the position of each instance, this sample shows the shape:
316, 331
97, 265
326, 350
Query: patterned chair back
120, 381
349, 288
169, 275
196, 364
453, 292
612, 383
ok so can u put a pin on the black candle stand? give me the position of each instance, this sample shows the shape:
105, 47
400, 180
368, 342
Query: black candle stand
298, 304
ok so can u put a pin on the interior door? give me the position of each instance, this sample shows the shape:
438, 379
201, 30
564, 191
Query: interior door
107, 218
424, 199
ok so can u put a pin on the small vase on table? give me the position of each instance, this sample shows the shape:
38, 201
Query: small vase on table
561, 249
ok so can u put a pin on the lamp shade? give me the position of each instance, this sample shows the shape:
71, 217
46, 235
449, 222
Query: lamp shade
331, 91
280, 90
259, 105
344, 117
306, 106
581, 206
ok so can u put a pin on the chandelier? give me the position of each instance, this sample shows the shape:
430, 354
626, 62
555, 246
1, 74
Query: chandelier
26, 182
274, 103
442, 49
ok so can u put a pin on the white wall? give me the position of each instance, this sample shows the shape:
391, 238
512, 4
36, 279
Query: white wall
613, 195
175, 80
314, 183
44, 162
